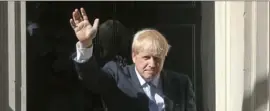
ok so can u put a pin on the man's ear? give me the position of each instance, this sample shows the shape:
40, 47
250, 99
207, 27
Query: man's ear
133, 56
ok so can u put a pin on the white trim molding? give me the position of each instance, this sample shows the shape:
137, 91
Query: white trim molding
229, 52
256, 83
220, 56
250, 55
16, 56
261, 83
11, 56
23, 56
242, 55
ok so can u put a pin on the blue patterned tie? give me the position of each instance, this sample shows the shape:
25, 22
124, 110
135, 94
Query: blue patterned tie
152, 102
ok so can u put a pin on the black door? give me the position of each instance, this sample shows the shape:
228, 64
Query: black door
180, 22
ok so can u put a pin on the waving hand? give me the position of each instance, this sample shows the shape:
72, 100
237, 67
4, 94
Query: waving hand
83, 29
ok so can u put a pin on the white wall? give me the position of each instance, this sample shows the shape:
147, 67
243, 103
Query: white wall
256, 96
242, 56
261, 86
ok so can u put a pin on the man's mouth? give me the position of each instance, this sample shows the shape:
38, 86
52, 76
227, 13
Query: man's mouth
149, 70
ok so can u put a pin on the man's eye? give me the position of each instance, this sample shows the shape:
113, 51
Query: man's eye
157, 59
146, 57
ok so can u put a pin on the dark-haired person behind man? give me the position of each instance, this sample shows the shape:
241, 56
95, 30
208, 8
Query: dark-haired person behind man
112, 44
113, 41
143, 86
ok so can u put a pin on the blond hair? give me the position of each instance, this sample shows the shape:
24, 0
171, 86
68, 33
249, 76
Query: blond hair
150, 41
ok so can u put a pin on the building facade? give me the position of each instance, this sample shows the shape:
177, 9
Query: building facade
235, 55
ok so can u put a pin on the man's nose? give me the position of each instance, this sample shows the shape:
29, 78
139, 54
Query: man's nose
152, 62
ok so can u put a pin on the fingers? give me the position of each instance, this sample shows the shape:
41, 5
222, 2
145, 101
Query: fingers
84, 14
73, 25
95, 25
77, 16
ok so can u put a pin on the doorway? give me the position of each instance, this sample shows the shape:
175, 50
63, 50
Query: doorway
48, 50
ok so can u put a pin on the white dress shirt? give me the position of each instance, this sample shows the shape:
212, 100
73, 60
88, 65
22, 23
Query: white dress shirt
83, 54
157, 95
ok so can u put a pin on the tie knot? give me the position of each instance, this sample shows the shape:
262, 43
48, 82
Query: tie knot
151, 84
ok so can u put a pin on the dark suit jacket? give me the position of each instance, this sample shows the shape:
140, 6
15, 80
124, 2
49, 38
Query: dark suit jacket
122, 91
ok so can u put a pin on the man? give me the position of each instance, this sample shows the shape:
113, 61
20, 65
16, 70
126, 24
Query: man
143, 86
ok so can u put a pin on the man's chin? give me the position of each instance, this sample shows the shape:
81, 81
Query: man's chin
149, 77
150, 72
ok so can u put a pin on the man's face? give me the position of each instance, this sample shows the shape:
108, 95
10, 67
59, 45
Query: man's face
148, 65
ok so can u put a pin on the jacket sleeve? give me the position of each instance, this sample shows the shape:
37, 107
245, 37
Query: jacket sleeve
99, 80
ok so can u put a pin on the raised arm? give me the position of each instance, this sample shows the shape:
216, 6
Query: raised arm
96, 79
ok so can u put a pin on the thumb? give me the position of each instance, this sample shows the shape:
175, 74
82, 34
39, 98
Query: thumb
93, 33
95, 25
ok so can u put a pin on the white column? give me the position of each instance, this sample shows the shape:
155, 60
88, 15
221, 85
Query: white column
220, 57
242, 56
11, 56
23, 55
235, 28
229, 55
16, 41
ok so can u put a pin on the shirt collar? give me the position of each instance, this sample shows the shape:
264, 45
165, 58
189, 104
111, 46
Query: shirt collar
155, 80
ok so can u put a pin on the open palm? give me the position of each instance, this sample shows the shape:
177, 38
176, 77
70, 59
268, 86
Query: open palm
84, 31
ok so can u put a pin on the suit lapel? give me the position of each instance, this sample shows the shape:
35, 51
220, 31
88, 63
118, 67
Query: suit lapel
167, 88
141, 96
134, 79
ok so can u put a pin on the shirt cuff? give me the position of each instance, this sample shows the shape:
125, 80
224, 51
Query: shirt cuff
83, 54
